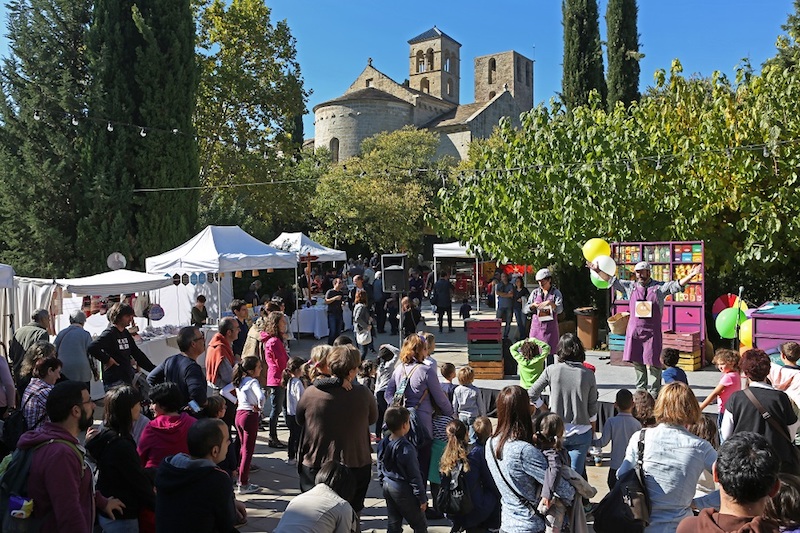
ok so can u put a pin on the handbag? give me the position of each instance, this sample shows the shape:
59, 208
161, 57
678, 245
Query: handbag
453, 496
363, 337
626, 509
794, 460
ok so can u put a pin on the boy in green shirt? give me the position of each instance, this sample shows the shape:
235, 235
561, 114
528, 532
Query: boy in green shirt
530, 355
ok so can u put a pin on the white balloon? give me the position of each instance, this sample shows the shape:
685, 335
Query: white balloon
606, 264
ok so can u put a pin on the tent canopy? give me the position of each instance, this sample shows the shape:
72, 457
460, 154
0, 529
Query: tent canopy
301, 244
452, 249
6, 276
115, 282
220, 249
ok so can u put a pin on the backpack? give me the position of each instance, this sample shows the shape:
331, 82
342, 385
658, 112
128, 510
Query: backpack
15, 506
15, 425
453, 497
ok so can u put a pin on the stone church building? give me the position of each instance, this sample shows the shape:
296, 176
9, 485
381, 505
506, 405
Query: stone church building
429, 99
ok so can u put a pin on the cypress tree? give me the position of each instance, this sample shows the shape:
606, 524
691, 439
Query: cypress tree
145, 81
623, 52
167, 77
583, 57
109, 225
41, 151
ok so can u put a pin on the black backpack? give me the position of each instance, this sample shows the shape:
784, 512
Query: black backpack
453, 497
16, 425
14, 486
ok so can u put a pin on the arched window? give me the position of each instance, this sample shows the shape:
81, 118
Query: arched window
528, 74
429, 59
449, 87
420, 62
446, 63
334, 148
425, 85
492, 95
492, 70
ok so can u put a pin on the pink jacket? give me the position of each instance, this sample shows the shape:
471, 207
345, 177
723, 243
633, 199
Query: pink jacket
276, 357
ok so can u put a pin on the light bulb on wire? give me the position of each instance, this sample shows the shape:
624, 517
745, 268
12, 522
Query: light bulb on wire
36, 115
74, 120
110, 127
142, 133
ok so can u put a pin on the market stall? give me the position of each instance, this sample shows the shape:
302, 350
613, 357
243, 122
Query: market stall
458, 251
203, 261
7, 302
309, 319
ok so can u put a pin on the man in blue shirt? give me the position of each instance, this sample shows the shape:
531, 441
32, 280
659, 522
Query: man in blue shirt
504, 292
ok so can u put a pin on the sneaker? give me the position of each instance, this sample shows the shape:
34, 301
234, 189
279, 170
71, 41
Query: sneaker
451, 330
250, 488
291, 462
254, 468
276, 444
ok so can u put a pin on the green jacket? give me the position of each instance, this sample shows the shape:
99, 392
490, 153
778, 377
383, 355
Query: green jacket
529, 371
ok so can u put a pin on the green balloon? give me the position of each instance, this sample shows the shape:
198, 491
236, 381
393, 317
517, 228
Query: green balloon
726, 322
597, 281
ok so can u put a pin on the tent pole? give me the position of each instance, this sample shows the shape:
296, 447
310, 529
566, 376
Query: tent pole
219, 301
296, 310
477, 289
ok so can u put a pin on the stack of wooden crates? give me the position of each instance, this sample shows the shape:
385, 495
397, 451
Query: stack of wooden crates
485, 348
688, 344
616, 345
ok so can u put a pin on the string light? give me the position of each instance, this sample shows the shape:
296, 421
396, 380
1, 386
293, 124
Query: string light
74, 120
110, 127
142, 133
36, 116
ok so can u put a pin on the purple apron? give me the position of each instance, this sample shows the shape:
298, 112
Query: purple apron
545, 331
643, 342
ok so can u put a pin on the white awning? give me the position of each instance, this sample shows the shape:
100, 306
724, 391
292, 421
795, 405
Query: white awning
115, 282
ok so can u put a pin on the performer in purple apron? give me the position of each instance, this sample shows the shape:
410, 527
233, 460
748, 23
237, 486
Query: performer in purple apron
643, 336
544, 305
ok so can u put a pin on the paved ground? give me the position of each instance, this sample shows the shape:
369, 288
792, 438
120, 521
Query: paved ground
279, 480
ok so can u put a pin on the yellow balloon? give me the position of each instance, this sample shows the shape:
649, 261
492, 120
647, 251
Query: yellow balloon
594, 248
746, 333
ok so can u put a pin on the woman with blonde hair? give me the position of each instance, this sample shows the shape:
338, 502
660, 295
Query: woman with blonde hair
416, 385
674, 458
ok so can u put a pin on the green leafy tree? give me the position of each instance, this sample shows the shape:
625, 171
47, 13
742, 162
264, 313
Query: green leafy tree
583, 57
623, 52
249, 115
374, 199
697, 159
44, 81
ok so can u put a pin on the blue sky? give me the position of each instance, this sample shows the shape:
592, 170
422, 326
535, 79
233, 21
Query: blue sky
335, 38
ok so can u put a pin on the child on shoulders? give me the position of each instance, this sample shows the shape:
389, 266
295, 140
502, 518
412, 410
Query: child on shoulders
530, 355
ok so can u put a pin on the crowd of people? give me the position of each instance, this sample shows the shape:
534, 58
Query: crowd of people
175, 452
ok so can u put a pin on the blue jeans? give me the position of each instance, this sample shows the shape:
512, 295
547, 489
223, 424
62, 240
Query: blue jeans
402, 504
118, 526
522, 322
577, 447
335, 327
506, 314
276, 396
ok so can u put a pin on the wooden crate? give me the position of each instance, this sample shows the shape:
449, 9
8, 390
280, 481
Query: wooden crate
616, 359
690, 361
485, 330
484, 351
487, 369
684, 342
616, 342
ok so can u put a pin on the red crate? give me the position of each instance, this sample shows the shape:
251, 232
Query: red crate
485, 330
684, 342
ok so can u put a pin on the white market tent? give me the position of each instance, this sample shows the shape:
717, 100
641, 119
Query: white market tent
220, 249
115, 282
7, 307
301, 244
459, 251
